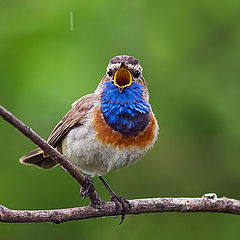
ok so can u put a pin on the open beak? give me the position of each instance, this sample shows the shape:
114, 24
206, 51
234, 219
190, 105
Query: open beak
122, 78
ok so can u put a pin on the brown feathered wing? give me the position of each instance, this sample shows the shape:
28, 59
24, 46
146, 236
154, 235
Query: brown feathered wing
79, 110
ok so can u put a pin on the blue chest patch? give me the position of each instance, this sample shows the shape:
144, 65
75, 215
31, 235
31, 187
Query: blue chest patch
125, 112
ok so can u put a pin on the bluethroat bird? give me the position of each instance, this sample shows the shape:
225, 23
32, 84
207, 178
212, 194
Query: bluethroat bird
108, 129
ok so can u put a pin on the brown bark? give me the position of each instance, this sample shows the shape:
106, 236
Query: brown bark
150, 205
54, 154
208, 203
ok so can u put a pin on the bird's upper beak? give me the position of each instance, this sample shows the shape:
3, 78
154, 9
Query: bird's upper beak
122, 78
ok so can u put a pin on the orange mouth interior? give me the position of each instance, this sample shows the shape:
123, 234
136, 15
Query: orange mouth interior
122, 78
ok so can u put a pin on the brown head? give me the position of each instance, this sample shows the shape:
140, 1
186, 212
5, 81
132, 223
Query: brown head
123, 70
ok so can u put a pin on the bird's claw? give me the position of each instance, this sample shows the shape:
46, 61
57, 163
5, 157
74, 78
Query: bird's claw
88, 188
126, 206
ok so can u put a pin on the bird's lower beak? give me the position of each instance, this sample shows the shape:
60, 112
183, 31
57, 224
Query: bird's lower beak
122, 78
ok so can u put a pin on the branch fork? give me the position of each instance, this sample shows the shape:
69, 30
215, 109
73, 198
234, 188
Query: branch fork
208, 203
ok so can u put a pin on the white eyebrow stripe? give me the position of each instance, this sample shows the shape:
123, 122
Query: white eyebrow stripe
114, 66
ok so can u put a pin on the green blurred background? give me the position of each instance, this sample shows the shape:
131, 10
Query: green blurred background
190, 54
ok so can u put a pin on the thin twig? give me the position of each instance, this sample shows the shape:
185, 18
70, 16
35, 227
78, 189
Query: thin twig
150, 205
54, 154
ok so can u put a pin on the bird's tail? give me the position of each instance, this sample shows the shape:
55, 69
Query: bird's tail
37, 158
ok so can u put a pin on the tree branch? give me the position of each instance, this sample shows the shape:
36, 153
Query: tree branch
48, 149
208, 203
150, 205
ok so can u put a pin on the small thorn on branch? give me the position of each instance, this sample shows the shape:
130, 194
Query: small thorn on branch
210, 196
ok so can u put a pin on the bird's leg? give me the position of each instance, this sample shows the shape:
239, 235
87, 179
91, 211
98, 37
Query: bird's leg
126, 206
88, 187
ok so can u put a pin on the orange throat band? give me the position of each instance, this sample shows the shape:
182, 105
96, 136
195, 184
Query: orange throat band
114, 138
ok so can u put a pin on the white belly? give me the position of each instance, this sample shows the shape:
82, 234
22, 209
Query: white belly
87, 153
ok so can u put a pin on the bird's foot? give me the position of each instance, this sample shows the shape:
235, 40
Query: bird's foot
126, 206
88, 188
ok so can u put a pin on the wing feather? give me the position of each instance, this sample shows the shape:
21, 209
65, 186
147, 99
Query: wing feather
79, 110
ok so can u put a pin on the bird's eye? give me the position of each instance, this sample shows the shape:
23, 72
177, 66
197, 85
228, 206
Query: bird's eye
109, 73
136, 74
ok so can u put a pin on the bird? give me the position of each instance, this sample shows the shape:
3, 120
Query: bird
105, 130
